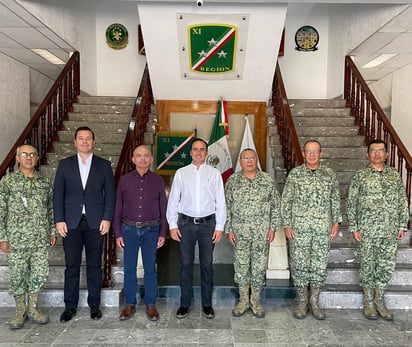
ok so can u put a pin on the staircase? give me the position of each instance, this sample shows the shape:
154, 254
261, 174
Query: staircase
329, 122
109, 118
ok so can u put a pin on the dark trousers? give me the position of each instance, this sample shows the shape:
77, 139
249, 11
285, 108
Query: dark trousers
73, 245
202, 234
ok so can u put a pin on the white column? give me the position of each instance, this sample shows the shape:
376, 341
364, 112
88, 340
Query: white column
278, 265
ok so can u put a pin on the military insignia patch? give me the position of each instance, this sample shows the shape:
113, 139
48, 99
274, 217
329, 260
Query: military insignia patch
117, 36
212, 48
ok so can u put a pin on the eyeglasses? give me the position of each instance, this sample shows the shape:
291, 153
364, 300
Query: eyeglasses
249, 159
380, 150
25, 155
308, 151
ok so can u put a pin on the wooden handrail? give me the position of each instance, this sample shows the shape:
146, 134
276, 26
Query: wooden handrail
373, 123
291, 151
134, 137
42, 128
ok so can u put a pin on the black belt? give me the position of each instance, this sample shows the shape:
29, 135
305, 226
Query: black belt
132, 223
197, 220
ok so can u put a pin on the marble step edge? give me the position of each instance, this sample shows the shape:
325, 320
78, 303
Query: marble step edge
54, 297
113, 297
354, 266
351, 297
332, 296
106, 100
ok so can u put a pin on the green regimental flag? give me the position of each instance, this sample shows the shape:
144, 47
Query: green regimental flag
212, 48
172, 151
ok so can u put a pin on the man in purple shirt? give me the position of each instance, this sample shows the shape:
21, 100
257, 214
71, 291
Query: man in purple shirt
140, 221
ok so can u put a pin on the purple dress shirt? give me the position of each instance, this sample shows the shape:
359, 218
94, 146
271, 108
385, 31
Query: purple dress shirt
140, 199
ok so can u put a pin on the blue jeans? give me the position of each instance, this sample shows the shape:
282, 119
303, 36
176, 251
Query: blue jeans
202, 234
146, 238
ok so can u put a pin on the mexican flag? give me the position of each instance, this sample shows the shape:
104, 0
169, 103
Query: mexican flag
247, 142
218, 152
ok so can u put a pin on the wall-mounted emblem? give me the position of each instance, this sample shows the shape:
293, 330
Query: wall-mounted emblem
212, 46
306, 38
117, 36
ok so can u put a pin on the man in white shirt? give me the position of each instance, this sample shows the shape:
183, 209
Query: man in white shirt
196, 212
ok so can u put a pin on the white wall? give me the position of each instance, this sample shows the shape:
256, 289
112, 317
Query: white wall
341, 27
75, 22
14, 102
350, 25
305, 73
402, 105
160, 31
39, 87
119, 72
382, 90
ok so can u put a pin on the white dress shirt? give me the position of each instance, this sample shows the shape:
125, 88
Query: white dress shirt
84, 172
197, 192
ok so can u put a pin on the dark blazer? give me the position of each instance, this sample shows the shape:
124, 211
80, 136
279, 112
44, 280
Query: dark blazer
69, 196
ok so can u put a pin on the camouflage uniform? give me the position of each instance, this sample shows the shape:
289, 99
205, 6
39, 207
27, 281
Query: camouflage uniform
26, 222
253, 207
377, 207
310, 205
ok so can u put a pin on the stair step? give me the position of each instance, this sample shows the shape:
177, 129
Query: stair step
53, 296
351, 297
348, 273
99, 117
334, 131
320, 112
349, 255
317, 103
53, 159
101, 148
117, 109
345, 152
322, 121
344, 164
98, 127
331, 141
102, 100
108, 137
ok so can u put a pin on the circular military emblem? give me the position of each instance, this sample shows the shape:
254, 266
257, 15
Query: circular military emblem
117, 36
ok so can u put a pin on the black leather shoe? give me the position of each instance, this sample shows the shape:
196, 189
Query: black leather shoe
67, 315
96, 314
182, 312
208, 312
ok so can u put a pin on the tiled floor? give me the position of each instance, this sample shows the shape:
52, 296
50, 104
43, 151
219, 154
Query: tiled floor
278, 328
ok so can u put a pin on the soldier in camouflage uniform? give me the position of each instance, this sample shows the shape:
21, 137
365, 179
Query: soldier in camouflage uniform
378, 214
26, 233
311, 216
253, 216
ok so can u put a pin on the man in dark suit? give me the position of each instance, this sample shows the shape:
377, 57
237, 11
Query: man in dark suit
83, 202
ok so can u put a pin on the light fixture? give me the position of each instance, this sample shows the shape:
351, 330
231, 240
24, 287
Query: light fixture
378, 60
44, 53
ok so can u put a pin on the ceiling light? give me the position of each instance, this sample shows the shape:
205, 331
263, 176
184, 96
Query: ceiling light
378, 60
48, 56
